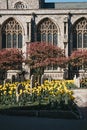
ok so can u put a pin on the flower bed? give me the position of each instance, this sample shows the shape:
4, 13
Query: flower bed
52, 96
54, 91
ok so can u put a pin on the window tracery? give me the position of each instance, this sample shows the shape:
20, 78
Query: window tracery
47, 32
11, 34
80, 34
20, 5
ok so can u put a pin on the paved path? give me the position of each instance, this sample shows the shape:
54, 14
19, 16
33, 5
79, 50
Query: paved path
81, 100
26, 123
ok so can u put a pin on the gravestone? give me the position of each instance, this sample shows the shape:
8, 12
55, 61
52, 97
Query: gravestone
77, 81
19, 87
4, 82
32, 81
39, 80
45, 77
49, 79
42, 79
17, 95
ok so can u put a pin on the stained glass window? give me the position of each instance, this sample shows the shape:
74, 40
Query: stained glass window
19, 40
47, 31
79, 40
11, 34
3, 40
85, 40
49, 38
55, 39
14, 40
43, 37
80, 34
8, 40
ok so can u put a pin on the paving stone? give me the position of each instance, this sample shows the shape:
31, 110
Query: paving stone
81, 100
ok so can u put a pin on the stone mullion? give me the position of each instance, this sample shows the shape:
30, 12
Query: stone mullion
41, 36
82, 37
52, 36
57, 38
29, 32
6, 39
11, 39
77, 39
17, 39
47, 32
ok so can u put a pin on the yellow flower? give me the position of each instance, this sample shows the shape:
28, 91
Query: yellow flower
0, 86
4, 92
10, 92
21, 91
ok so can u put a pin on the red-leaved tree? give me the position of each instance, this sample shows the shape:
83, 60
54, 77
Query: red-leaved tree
78, 58
11, 59
40, 55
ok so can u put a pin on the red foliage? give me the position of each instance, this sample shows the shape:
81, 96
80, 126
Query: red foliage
78, 58
42, 55
10, 58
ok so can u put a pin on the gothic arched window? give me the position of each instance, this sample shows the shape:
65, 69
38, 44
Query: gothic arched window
80, 34
47, 32
11, 34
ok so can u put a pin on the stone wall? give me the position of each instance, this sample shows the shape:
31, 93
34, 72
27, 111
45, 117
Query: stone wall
54, 74
23, 16
3, 4
31, 4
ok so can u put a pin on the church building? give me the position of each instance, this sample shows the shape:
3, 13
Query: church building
62, 23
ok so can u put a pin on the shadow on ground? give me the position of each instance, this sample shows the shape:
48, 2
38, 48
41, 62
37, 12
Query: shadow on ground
83, 111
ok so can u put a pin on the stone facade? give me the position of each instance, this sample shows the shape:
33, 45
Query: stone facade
3, 4
59, 13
